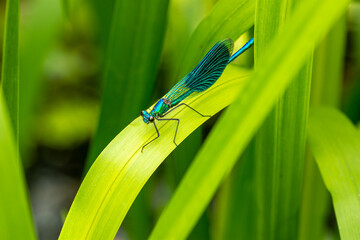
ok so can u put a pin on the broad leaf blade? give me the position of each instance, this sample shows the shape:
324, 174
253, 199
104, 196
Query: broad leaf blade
335, 143
121, 170
279, 145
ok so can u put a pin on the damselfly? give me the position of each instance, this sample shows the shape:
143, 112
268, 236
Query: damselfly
198, 80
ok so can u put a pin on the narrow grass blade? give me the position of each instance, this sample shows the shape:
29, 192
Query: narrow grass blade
104, 12
280, 143
335, 143
230, 136
10, 63
36, 40
329, 67
65, 8
325, 90
15, 216
133, 55
235, 202
121, 170
351, 99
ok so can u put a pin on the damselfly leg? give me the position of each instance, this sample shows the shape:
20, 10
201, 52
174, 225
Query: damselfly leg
169, 119
184, 104
157, 131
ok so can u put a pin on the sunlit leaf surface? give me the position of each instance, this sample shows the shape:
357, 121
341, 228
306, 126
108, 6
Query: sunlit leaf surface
121, 170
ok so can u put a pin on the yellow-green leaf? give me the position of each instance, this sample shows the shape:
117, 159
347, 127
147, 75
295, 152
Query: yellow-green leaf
15, 216
121, 170
335, 143
10, 63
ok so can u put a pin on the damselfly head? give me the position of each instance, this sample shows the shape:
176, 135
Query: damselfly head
147, 117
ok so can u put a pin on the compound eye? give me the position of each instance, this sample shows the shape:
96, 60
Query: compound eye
151, 118
142, 113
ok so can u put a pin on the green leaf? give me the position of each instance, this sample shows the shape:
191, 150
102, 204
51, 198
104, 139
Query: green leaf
218, 25
15, 216
121, 170
65, 8
131, 65
351, 99
104, 12
10, 64
279, 145
38, 36
235, 201
329, 67
230, 136
325, 90
335, 143
133, 55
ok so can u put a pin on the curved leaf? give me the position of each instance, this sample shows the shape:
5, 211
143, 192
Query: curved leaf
132, 60
121, 170
335, 143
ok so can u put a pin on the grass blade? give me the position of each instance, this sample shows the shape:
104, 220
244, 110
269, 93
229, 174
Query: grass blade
280, 143
36, 41
325, 90
104, 12
329, 68
335, 143
131, 67
15, 217
121, 170
235, 201
10, 65
232, 133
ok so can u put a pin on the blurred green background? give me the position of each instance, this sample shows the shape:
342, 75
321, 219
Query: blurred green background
87, 69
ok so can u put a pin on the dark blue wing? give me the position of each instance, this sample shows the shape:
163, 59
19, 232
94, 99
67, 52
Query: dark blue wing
204, 74
211, 66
